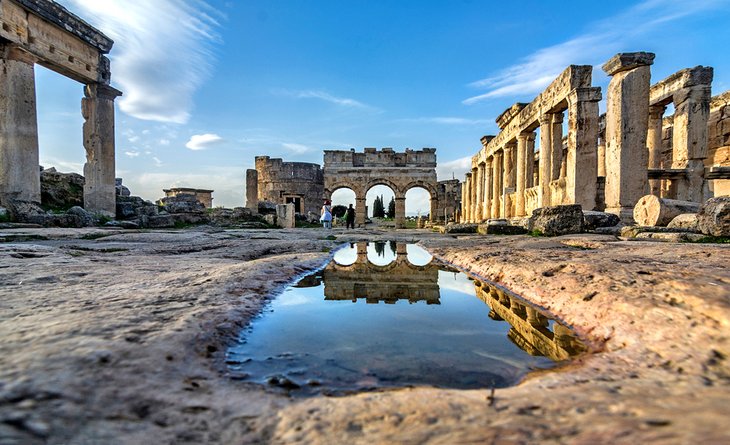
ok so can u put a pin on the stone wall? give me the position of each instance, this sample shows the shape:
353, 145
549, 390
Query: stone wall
300, 183
449, 195
719, 141
204, 196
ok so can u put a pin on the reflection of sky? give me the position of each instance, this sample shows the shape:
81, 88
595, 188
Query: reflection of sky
346, 255
384, 258
417, 255
456, 281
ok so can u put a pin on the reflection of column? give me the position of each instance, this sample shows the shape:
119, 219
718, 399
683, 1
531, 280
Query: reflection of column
19, 172
627, 125
400, 212
689, 139
99, 171
360, 211
496, 183
488, 174
535, 318
521, 174
546, 156
581, 160
654, 145
362, 252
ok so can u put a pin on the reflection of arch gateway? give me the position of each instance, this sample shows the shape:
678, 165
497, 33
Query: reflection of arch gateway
399, 171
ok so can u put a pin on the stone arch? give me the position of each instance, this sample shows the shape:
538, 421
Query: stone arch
431, 189
386, 182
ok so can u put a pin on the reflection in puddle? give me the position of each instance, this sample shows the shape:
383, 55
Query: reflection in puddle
383, 315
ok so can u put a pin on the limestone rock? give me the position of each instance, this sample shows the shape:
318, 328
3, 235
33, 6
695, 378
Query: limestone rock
182, 203
500, 229
652, 210
714, 217
87, 218
557, 220
459, 228
61, 191
684, 221
160, 221
268, 208
593, 220
285, 216
121, 189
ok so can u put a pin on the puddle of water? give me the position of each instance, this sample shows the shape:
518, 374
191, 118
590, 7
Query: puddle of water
384, 315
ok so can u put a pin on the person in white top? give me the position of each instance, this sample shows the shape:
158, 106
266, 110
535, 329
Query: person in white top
326, 217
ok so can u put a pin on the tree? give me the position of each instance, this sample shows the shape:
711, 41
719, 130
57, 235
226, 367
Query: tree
378, 209
391, 208
339, 210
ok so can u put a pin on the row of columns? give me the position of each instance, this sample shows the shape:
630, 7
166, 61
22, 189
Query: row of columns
19, 153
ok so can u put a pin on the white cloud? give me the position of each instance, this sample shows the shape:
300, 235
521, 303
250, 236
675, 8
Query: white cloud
158, 162
164, 142
203, 141
133, 139
607, 37
163, 52
296, 148
227, 183
453, 169
132, 153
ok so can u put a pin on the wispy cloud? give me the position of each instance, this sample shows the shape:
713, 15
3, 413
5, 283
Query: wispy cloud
324, 96
448, 121
607, 37
453, 169
132, 153
203, 141
162, 53
296, 148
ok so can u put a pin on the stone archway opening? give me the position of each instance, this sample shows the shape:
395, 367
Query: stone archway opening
418, 203
379, 191
341, 199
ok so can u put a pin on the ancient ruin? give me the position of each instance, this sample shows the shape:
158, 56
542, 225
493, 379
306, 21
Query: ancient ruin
400, 171
202, 195
597, 164
45, 33
299, 183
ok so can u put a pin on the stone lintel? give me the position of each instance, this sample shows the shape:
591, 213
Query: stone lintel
627, 61
64, 19
590, 94
662, 92
102, 91
509, 114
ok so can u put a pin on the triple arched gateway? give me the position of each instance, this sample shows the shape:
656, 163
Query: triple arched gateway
399, 171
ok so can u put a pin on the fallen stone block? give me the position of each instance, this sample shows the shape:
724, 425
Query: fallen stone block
557, 220
634, 231
672, 237
161, 221
459, 228
652, 210
593, 220
500, 229
714, 217
685, 221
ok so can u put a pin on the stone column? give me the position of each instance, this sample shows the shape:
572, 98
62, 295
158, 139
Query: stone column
486, 214
464, 194
654, 145
509, 178
360, 209
20, 178
479, 201
556, 135
400, 212
467, 201
530, 160
689, 137
473, 196
252, 190
99, 171
627, 125
434, 209
496, 183
521, 174
581, 165
601, 155
546, 157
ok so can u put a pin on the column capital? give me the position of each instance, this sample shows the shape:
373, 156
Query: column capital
557, 118
586, 94
657, 111
545, 119
627, 61
101, 91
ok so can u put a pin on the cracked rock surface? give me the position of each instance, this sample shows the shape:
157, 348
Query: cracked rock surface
110, 336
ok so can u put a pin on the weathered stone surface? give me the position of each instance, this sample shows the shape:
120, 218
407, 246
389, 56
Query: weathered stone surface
267, 207
86, 218
672, 237
285, 216
684, 221
61, 191
182, 203
652, 210
634, 231
121, 189
714, 217
162, 220
500, 229
459, 228
557, 220
228, 217
270, 218
593, 219
627, 61
134, 206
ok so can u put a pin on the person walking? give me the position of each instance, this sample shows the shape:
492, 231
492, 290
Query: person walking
350, 217
326, 217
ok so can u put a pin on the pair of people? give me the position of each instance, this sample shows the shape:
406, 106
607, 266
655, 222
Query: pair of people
326, 217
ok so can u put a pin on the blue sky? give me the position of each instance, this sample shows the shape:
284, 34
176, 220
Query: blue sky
210, 85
